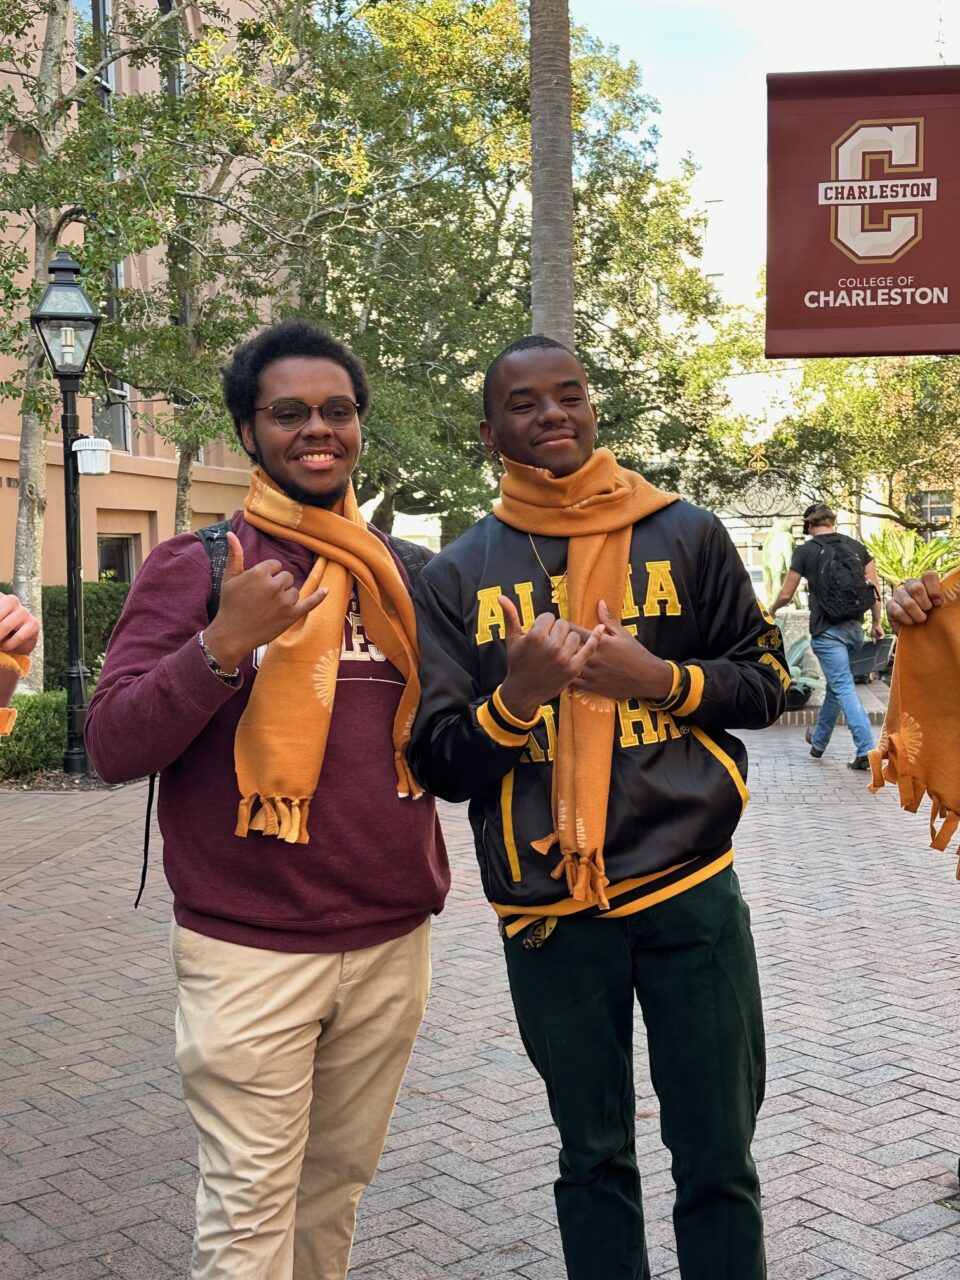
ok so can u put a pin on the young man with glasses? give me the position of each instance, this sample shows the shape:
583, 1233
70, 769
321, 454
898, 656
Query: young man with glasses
303, 873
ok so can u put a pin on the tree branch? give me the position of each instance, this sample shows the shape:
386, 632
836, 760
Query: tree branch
75, 213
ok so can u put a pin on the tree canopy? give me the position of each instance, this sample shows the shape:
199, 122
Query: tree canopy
367, 167
873, 433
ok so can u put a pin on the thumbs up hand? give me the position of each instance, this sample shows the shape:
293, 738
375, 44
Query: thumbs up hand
542, 663
256, 606
234, 565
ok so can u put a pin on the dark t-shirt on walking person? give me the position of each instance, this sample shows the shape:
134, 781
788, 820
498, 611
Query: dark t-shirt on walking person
805, 561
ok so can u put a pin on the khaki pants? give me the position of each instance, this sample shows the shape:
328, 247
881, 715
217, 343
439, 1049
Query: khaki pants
291, 1065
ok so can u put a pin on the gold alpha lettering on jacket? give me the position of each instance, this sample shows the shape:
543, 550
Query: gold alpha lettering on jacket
489, 614
534, 753
660, 590
524, 593
655, 726
629, 609
660, 599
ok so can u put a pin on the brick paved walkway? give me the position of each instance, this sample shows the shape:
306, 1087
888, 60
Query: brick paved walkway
858, 926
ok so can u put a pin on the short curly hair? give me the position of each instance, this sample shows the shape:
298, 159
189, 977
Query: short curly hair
241, 377
535, 342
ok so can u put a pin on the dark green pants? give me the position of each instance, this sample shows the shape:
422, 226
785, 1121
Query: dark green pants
691, 964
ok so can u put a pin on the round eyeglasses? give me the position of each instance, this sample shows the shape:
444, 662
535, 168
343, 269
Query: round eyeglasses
291, 415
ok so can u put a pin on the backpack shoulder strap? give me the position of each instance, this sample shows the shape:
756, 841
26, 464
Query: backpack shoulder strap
146, 839
214, 540
411, 555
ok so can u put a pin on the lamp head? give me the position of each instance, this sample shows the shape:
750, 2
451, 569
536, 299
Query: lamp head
65, 319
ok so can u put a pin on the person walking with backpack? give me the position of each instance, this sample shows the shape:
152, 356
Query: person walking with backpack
842, 582
277, 711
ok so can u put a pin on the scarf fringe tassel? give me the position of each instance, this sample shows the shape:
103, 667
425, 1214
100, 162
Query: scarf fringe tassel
407, 785
286, 816
282, 816
911, 790
586, 876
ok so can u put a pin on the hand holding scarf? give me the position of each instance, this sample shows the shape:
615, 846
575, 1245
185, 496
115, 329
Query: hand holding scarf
596, 508
282, 734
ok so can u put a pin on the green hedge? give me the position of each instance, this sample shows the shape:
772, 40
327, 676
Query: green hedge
39, 737
102, 603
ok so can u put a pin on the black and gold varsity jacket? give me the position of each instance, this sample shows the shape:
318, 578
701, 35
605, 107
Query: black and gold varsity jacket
678, 780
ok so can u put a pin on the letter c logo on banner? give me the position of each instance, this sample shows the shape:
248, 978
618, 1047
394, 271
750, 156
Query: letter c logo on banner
865, 161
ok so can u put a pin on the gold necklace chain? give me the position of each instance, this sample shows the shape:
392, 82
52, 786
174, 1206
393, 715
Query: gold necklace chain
555, 593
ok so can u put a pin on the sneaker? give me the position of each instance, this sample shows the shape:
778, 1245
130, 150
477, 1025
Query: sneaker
814, 751
859, 762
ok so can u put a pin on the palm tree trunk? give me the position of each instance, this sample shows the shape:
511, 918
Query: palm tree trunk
551, 129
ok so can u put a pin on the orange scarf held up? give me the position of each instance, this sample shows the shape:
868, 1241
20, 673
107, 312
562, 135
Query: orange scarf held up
282, 734
920, 744
20, 663
596, 508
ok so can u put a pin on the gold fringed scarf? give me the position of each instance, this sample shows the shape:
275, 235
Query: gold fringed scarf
595, 508
920, 743
283, 731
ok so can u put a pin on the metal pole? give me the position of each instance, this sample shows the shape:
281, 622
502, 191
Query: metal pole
75, 756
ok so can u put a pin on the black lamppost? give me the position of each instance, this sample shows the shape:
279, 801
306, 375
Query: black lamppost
66, 323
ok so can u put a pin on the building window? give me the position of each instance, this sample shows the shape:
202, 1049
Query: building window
933, 506
92, 22
111, 416
88, 14
115, 559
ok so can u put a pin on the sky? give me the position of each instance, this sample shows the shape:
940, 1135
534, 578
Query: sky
706, 64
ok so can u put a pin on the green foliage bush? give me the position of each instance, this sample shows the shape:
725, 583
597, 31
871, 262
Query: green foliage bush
39, 737
102, 603
902, 554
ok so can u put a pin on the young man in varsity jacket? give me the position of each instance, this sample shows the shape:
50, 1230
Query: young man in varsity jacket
584, 651
303, 873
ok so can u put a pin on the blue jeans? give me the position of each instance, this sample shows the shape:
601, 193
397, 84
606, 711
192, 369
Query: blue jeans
834, 649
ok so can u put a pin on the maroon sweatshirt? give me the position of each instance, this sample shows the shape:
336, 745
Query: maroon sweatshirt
374, 867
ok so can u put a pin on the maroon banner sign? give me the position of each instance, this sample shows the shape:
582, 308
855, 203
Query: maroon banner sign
863, 212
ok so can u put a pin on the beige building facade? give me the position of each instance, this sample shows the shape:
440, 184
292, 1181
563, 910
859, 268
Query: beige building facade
125, 514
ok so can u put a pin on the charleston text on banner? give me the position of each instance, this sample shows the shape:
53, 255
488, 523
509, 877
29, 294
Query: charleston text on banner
863, 212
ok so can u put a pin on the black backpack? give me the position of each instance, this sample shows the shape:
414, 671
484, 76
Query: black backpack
842, 591
214, 538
